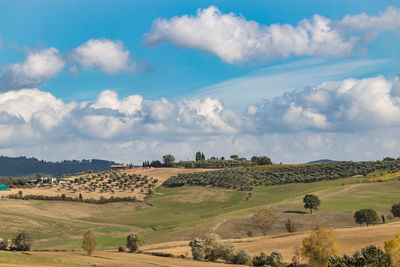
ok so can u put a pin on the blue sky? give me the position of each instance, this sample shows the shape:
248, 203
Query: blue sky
228, 64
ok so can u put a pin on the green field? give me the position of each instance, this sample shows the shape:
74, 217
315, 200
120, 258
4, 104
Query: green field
185, 212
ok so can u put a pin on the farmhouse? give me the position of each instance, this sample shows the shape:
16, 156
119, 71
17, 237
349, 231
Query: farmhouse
119, 167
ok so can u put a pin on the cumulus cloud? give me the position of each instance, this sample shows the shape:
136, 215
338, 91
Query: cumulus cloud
107, 55
333, 116
36, 69
348, 105
235, 39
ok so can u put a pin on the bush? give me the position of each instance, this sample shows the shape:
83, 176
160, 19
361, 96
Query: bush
212, 248
369, 256
22, 242
198, 248
4, 244
290, 226
133, 242
274, 260
240, 257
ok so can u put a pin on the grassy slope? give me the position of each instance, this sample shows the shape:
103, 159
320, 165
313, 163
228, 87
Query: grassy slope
182, 213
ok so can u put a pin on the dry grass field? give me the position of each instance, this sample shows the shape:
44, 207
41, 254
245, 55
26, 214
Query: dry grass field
102, 258
349, 239
130, 183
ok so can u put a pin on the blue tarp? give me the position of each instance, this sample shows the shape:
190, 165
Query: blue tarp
3, 187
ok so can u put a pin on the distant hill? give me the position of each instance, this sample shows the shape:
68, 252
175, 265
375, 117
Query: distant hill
321, 161
23, 166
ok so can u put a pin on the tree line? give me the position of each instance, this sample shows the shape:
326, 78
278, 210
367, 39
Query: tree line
23, 166
212, 162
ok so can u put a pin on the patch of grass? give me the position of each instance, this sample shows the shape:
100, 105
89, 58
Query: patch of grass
28, 259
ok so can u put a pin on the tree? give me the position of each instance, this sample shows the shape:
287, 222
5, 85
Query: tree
263, 160
319, 247
396, 210
198, 248
392, 247
368, 216
264, 219
89, 242
168, 160
234, 157
156, 164
200, 156
22, 242
311, 202
133, 242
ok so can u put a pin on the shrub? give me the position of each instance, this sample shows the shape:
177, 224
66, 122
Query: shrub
264, 219
89, 242
290, 226
4, 244
212, 248
371, 256
198, 248
274, 260
240, 257
133, 242
392, 247
22, 242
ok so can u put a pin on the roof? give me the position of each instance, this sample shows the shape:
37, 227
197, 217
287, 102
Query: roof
119, 166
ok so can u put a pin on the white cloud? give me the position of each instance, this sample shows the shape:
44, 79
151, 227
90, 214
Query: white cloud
347, 105
107, 55
36, 69
371, 26
351, 116
235, 39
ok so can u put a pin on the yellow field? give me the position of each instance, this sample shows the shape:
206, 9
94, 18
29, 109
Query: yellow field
385, 177
161, 174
